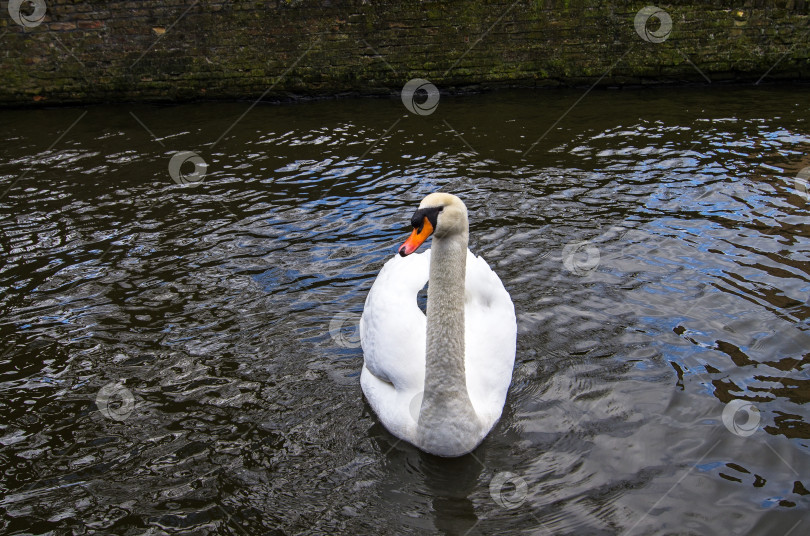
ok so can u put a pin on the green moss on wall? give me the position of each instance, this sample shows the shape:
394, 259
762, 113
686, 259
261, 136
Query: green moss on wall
151, 50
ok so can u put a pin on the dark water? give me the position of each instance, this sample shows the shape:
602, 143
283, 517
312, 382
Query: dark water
182, 358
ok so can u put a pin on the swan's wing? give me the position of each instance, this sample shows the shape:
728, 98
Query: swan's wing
393, 328
393, 331
490, 339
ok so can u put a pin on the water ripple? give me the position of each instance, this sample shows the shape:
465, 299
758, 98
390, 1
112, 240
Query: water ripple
655, 246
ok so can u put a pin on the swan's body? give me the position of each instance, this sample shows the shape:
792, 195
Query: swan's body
438, 381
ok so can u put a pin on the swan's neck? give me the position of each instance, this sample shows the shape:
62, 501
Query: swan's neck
447, 417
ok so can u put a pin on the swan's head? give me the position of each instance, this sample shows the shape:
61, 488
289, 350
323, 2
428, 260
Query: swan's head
440, 215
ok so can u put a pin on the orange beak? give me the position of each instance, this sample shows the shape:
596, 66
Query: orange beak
418, 236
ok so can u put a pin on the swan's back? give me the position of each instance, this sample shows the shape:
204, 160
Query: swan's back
393, 336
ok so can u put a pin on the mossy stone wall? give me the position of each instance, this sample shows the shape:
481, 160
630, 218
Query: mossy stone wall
188, 49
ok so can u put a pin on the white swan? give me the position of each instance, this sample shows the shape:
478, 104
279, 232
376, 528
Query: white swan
438, 382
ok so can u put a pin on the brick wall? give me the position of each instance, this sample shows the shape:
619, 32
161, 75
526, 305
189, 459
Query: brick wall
188, 49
